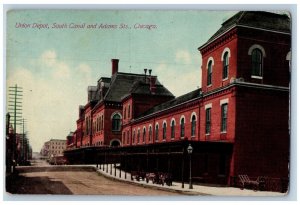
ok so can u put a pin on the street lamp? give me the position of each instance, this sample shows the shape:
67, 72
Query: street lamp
190, 151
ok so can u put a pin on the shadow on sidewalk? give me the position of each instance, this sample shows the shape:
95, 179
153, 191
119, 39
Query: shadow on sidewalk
17, 184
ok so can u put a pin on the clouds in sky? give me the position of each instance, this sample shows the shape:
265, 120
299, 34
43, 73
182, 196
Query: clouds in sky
50, 102
183, 76
55, 66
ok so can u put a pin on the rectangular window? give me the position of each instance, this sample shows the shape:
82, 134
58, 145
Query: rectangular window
127, 137
208, 120
224, 109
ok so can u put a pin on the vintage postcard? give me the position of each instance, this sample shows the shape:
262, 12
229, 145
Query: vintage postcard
148, 102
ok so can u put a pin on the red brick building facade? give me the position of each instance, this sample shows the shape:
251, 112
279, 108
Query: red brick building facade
243, 102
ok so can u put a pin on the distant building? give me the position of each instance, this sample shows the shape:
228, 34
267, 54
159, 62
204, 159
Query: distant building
53, 147
71, 140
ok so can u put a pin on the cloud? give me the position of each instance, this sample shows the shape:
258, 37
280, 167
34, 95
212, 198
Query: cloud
183, 57
61, 70
48, 58
85, 70
50, 96
179, 79
58, 68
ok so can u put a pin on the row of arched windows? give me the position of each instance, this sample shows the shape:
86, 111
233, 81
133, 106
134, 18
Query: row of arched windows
126, 112
98, 124
257, 54
138, 137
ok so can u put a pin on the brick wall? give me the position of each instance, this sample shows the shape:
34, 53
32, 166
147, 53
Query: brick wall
262, 134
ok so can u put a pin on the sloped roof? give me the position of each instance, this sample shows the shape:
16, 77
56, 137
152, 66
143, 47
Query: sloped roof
177, 101
140, 87
257, 19
126, 83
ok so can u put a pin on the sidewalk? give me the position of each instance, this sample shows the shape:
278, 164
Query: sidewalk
176, 187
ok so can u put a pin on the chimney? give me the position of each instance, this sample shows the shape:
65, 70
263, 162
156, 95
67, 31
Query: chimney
145, 70
115, 66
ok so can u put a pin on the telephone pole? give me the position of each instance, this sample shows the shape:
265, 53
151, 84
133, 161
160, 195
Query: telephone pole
15, 109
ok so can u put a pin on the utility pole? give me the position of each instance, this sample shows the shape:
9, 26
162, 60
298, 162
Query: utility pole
15, 110
24, 142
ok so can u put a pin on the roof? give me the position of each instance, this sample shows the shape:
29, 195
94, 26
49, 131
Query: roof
140, 87
124, 84
177, 101
256, 19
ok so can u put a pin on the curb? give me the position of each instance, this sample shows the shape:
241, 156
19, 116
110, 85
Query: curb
183, 192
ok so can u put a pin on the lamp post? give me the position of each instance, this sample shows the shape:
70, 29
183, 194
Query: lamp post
190, 151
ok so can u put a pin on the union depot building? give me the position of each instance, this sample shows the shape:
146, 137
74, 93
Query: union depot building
237, 122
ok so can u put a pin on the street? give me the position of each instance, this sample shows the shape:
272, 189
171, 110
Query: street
51, 180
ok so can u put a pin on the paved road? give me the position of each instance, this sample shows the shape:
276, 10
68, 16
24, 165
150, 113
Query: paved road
81, 182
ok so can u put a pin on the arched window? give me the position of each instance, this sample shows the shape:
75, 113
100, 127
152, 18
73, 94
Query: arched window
209, 73
193, 127
164, 130
138, 136
156, 132
256, 60
124, 113
150, 133
100, 122
128, 111
182, 127
133, 137
173, 129
116, 122
225, 65
144, 134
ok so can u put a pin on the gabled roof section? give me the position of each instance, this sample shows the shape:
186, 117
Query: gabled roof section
123, 84
172, 103
141, 87
255, 19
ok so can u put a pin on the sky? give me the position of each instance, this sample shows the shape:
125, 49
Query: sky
54, 66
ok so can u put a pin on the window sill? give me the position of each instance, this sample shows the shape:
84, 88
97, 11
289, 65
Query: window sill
256, 77
172, 139
225, 79
193, 136
208, 86
223, 132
